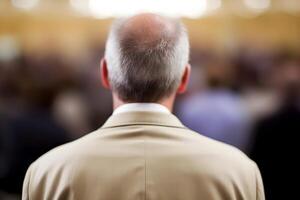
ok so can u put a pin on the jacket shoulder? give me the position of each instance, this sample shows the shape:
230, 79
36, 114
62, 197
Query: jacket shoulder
211, 153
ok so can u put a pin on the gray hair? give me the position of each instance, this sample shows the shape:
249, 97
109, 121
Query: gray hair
146, 71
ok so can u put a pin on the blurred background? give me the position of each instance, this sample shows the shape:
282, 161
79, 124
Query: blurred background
244, 91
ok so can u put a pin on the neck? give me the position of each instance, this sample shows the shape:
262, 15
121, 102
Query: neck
167, 102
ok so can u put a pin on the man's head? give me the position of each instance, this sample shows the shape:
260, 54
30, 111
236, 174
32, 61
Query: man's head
146, 58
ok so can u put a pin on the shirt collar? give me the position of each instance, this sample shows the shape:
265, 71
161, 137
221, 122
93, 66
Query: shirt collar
141, 107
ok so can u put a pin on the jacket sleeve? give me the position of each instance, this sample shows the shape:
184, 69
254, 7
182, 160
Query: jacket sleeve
260, 194
26, 183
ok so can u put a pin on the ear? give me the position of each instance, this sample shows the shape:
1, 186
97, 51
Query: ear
184, 80
104, 74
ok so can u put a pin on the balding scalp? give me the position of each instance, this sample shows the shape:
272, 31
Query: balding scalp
146, 55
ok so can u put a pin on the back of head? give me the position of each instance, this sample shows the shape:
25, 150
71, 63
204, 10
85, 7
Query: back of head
146, 55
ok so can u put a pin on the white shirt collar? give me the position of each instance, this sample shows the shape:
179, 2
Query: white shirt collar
148, 107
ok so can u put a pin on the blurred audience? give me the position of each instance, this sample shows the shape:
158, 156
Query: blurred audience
30, 128
216, 111
275, 143
47, 100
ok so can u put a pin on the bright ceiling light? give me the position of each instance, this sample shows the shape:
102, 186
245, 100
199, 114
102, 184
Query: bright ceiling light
81, 6
214, 4
24, 4
290, 6
257, 5
120, 8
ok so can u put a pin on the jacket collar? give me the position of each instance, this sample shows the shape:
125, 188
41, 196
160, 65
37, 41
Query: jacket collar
143, 118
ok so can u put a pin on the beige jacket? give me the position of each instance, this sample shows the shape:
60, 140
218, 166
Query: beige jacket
143, 155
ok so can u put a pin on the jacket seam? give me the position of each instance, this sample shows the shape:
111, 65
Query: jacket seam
145, 173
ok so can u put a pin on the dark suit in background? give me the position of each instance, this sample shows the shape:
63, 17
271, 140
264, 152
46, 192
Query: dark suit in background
26, 137
275, 151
